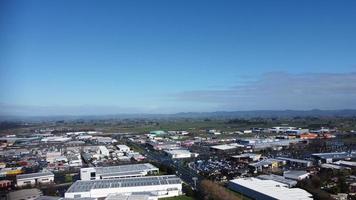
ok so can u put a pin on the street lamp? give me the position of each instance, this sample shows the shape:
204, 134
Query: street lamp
195, 182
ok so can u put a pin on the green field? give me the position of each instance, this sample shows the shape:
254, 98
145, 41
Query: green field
178, 198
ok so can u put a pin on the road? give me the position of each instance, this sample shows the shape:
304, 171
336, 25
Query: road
186, 174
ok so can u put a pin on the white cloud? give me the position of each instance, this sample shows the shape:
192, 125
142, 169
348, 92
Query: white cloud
283, 91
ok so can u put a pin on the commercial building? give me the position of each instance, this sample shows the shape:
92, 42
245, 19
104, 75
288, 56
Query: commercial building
132, 196
162, 186
102, 150
123, 148
55, 139
266, 164
333, 156
180, 153
267, 189
248, 157
226, 148
296, 175
290, 183
121, 171
281, 129
34, 178
296, 162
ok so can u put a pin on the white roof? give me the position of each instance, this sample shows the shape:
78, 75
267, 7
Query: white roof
273, 189
178, 151
227, 146
347, 163
122, 146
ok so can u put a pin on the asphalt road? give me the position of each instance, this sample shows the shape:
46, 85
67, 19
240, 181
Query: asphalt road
186, 174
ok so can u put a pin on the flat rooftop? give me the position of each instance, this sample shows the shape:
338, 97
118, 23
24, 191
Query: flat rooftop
268, 161
226, 146
125, 169
34, 175
277, 178
86, 186
294, 160
272, 188
335, 155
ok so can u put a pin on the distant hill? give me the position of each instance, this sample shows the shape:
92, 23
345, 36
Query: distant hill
218, 114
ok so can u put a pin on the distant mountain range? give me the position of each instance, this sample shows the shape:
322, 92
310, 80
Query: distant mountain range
218, 114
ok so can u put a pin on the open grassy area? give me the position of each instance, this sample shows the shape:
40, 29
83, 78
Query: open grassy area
178, 198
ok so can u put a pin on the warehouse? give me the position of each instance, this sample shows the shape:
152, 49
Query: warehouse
121, 171
280, 179
297, 162
161, 186
123, 148
34, 178
296, 175
267, 189
180, 153
226, 148
266, 164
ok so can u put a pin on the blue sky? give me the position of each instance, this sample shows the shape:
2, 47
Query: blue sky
107, 57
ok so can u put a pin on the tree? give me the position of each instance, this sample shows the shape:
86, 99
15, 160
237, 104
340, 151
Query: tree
213, 191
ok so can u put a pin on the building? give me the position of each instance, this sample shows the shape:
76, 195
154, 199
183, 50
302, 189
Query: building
180, 153
297, 162
281, 129
157, 133
123, 148
267, 189
280, 179
226, 148
5, 184
344, 163
266, 164
34, 178
296, 175
52, 156
121, 171
333, 156
248, 157
55, 139
162, 186
308, 136
28, 194
10, 171
132, 196
102, 150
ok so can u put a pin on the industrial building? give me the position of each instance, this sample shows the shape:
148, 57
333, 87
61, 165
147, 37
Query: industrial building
296, 175
226, 148
180, 153
121, 171
333, 156
267, 189
132, 196
161, 186
34, 178
247, 157
296, 162
290, 183
269, 164
123, 148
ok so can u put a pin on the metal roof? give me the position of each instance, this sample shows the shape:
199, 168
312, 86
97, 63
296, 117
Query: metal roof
295, 160
268, 161
34, 175
272, 189
277, 178
86, 186
122, 169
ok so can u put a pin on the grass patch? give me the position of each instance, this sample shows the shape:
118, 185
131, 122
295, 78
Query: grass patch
183, 197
